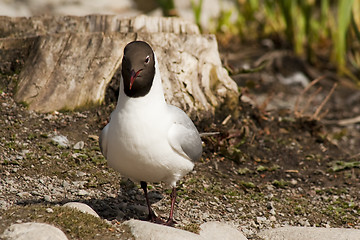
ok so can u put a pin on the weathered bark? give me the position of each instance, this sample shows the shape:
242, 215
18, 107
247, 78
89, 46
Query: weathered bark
66, 71
72, 59
44, 25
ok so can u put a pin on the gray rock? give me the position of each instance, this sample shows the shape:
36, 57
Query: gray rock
218, 230
82, 207
79, 145
79, 184
272, 212
47, 198
49, 210
4, 205
304, 222
80, 174
24, 194
272, 219
60, 140
310, 233
82, 192
270, 205
260, 219
145, 230
33, 231
209, 231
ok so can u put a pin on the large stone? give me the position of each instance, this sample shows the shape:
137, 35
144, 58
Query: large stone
71, 60
142, 230
212, 230
82, 207
218, 230
33, 231
310, 233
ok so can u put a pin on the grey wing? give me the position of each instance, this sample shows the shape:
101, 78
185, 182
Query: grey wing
183, 136
103, 140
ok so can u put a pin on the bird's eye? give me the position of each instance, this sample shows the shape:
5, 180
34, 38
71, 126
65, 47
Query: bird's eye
147, 59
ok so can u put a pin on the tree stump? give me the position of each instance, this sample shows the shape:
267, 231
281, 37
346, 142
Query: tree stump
69, 61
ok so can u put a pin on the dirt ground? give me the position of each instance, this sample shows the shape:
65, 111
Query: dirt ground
284, 159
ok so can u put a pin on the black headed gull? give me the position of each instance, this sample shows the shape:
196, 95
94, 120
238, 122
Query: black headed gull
146, 139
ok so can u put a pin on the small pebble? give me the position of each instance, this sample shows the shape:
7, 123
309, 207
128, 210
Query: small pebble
82, 192
61, 141
272, 218
260, 219
80, 174
47, 198
49, 210
24, 194
270, 205
79, 145
272, 212
293, 182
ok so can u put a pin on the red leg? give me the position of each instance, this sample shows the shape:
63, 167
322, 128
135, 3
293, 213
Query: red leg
170, 221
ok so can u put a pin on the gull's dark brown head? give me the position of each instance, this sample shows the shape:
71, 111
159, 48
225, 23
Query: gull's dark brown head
138, 69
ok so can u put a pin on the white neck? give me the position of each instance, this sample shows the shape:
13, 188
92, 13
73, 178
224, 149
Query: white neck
154, 97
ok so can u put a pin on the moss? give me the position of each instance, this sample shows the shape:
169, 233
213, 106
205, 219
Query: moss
243, 171
261, 168
75, 224
299, 210
31, 136
192, 227
337, 166
24, 104
274, 167
248, 184
280, 183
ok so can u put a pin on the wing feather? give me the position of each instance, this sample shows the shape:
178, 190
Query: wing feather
183, 136
103, 139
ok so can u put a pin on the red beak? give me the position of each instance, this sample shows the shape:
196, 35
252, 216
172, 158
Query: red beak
133, 77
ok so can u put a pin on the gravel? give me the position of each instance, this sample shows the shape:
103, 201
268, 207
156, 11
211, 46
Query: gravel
35, 172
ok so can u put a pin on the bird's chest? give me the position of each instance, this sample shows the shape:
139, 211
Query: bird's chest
140, 132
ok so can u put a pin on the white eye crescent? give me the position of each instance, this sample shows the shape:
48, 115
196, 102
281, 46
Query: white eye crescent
147, 59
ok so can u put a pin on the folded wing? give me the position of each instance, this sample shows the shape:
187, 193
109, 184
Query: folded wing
183, 136
103, 140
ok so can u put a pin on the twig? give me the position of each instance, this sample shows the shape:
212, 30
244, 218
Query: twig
252, 140
349, 121
310, 99
343, 122
303, 92
207, 134
226, 120
316, 114
355, 156
266, 102
324, 114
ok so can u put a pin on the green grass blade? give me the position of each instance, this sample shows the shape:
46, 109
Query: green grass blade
197, 9
343, 22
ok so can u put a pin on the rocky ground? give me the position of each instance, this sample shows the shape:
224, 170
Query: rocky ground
275, 163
